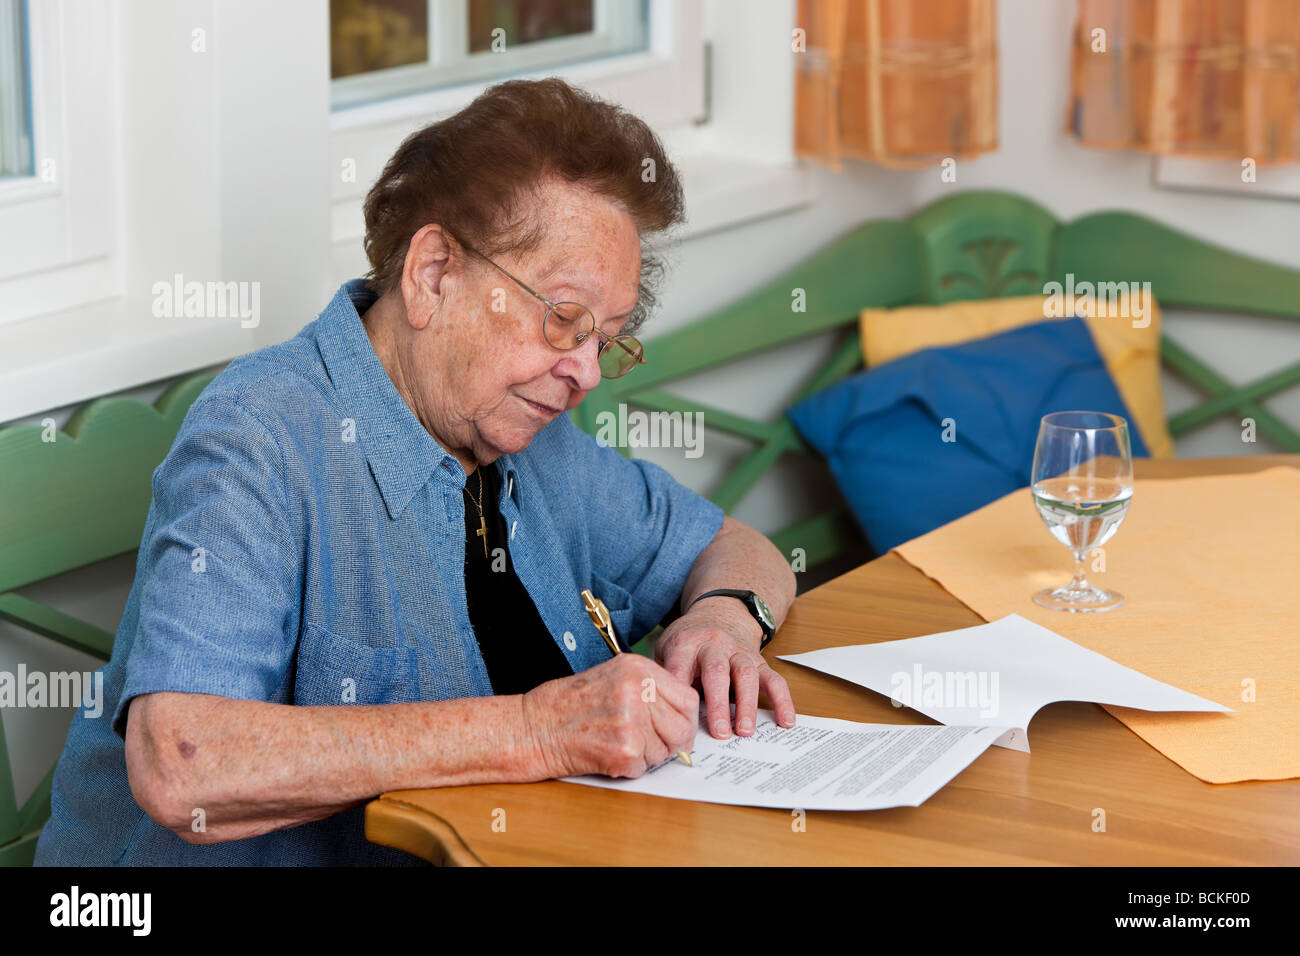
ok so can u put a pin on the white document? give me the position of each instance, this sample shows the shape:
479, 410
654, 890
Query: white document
997, 675
818, 764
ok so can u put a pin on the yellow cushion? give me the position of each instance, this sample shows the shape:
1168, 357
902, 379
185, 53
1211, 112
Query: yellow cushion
1132, 355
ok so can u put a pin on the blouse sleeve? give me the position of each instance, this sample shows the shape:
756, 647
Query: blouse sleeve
218, 567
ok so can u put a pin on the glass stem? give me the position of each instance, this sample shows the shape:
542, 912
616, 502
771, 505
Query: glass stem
1080, 582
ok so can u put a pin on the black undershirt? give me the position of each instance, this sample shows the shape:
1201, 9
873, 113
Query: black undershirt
518, 650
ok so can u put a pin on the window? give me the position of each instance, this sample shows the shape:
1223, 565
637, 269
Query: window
421, 60
58, 150
168, 139
15, 91
385, 48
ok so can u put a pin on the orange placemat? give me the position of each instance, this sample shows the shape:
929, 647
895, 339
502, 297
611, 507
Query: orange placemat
1210, 567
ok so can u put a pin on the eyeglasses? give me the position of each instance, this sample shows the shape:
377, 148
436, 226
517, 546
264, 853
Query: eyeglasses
568, 325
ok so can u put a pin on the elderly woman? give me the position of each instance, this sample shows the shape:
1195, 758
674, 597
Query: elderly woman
363, 561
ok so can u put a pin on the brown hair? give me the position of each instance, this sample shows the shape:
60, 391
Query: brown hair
474, 173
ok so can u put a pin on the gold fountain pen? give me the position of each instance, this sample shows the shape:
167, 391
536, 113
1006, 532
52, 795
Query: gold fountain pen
599, 615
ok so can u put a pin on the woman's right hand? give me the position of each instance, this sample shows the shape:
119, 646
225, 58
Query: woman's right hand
618, 718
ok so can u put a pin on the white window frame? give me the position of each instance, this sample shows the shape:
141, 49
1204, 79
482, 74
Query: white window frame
58, 242
614, 24
214, 180
15, 101
663, 84
212, 177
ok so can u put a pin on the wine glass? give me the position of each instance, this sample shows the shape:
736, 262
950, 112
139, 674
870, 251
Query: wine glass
1082, 485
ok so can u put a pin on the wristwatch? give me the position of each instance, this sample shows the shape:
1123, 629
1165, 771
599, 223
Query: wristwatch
757, 607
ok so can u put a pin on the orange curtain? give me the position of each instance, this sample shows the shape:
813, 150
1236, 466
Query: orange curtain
903, 83
1188, 77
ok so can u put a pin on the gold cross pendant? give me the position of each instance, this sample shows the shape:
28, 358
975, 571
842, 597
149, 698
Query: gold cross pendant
482, 533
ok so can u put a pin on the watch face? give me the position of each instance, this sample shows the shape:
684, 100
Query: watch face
764, 611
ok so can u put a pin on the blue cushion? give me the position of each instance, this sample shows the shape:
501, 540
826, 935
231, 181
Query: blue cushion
881, 430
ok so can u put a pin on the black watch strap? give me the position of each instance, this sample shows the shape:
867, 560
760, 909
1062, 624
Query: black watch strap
756, 605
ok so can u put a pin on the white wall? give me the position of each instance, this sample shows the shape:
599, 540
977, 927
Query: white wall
1036, 159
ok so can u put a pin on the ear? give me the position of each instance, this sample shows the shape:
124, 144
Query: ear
429, 258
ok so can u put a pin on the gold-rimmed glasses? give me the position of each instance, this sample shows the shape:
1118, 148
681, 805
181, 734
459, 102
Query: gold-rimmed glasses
568, 325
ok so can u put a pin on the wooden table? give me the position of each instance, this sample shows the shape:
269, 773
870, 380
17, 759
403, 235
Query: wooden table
1005, 808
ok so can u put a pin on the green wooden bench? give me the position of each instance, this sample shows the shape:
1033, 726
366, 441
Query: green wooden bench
66, 503
83, 497
974, 245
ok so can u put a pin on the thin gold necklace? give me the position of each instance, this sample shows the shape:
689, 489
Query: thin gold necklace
482, 521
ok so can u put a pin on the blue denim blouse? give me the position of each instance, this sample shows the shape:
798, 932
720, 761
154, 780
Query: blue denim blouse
305, 545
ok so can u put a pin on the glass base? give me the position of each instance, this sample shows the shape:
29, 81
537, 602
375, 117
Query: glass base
1074, 598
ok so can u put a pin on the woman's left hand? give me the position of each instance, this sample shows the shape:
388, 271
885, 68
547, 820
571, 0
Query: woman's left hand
715, 643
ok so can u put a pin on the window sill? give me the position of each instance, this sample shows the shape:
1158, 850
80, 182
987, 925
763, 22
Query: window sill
724, 191
104, 348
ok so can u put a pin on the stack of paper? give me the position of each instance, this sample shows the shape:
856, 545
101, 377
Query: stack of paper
983, 683
996, 675
818, 764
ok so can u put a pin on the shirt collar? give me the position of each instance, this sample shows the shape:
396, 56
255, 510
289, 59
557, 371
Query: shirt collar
402, 453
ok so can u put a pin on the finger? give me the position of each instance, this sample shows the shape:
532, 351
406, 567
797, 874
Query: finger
679, 659
778, 692
715, 677
679, 695
627, 752
673, 731
654, 751
744, 677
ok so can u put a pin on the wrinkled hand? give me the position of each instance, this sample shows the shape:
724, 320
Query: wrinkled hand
716, 643
619, 718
